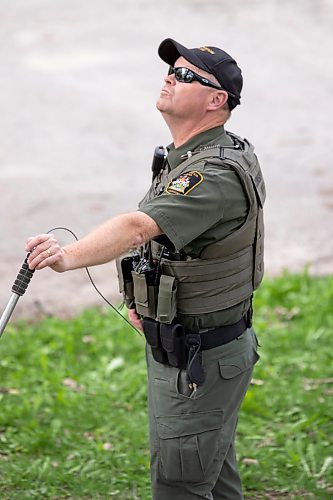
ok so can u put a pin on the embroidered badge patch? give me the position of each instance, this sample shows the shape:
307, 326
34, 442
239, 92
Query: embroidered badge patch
185, 183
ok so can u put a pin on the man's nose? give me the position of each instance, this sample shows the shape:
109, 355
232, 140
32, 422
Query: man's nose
170, 79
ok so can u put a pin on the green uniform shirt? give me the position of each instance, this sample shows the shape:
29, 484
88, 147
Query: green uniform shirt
208, 211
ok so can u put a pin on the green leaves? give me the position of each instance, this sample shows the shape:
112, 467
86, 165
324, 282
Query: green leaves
73, 421
286, 422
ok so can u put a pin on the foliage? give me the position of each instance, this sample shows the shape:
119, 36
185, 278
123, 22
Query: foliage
73, 420
286, 426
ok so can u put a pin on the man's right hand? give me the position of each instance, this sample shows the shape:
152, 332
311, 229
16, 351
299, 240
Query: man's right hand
135, 319
45, 251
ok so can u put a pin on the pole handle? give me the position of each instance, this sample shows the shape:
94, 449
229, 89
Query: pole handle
19, 287
23, 278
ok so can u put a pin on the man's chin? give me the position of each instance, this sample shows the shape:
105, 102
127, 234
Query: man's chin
161, 104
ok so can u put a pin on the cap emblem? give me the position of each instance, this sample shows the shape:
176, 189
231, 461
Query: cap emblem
207, 49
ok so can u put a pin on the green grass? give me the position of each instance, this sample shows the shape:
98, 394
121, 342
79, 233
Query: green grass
73, 420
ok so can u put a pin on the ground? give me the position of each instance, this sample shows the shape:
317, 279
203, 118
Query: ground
79, 81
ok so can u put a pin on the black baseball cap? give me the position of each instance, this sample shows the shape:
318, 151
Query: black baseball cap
210, 59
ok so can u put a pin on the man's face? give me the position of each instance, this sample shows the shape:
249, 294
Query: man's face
184, 100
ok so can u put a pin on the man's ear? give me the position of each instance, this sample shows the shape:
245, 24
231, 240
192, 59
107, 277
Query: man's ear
217, 100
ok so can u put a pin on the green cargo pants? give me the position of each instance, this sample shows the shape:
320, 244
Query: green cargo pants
192, 433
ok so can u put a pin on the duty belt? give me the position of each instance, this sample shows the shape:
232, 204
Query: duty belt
223, 334
173, 345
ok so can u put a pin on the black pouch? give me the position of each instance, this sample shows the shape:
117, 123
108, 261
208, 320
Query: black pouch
151, 329
173, 342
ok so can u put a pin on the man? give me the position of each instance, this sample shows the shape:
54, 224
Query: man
190, 288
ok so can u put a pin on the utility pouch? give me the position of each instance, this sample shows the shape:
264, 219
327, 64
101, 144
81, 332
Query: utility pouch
173, 342
152, 334
166, 309
124, 269
145, 295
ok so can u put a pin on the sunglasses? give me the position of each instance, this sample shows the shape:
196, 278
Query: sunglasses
185, 75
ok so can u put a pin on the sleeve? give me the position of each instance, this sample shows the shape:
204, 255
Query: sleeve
192, 203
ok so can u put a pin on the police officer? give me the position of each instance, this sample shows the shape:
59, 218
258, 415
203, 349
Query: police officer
198, 240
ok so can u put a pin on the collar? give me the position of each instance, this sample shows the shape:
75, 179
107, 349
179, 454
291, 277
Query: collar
211, 137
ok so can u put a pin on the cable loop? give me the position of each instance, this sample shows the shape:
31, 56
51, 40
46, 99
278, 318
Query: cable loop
92, 281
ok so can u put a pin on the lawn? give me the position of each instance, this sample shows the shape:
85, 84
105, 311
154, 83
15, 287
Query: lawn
73, 420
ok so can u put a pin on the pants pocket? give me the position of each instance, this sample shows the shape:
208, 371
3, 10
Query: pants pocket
189, 445
234, 366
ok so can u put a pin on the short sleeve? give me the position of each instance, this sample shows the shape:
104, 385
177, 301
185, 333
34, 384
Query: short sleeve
193, 202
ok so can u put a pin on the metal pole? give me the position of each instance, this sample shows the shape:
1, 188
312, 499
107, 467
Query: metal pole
8, 311
19, 287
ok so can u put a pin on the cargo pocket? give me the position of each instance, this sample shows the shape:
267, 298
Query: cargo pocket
232, 367
189, 445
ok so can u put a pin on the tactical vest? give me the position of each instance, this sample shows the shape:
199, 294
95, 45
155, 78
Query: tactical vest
227, 271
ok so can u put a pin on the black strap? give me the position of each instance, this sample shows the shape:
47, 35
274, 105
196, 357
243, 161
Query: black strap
223, 334
194, 368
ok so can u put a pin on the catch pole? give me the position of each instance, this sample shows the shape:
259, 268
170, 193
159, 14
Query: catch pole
19, 287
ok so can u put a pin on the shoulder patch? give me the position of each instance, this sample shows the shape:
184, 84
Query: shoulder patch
185, 183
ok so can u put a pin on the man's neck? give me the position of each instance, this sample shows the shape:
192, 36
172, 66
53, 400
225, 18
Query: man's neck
181, 131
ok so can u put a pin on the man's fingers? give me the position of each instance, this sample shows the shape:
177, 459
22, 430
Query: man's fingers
48, 262
34, 241
44, 251
135, 319
42, 260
